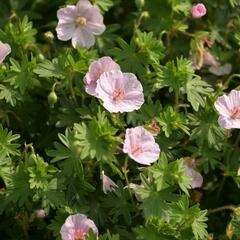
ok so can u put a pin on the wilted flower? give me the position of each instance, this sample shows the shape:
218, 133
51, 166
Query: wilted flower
80, 23
140, 145
229, 109
198, 10
76, 227
104, 64
5, 49
120, 92
197, 179
221, 70
209, 59
40, 214
108, 184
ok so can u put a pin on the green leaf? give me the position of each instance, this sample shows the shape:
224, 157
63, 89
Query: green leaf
171, 120
174, 74
197, 90
130, 59
97, 139
7, 146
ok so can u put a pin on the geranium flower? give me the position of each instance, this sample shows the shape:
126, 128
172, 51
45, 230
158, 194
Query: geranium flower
5, 49
76, 227
197, 179
108, 184
229, 109
104, 64
140, 145
80, 23
40, 214
198, 10
120, 92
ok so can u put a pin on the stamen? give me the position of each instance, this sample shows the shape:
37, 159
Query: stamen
118, 94
79, 234
235, 113
81, 21
136, 149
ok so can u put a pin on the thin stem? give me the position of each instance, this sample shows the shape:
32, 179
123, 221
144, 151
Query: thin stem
125, 171
229, 79
223, 208
176, 101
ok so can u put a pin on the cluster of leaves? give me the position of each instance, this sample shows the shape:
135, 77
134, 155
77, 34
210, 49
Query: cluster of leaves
66, 138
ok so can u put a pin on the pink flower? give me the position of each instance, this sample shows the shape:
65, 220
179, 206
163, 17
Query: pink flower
108, 184
229, 109
76, 227
80, 23
104, 64
40, 214
198, 10
120, 92
140, 145
5, 49
221, 70
197, 179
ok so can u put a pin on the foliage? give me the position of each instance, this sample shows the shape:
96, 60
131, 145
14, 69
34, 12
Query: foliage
56, 140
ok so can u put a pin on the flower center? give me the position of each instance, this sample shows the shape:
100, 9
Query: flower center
136, 149
81, 21
118, 94
200, 9
79, 234
235, 113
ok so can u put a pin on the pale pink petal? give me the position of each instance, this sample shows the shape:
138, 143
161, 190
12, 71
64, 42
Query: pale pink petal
197, 179
96, 69
140, 145
229, 109
67, 14
198, 10
221, 70
65, 31
120, 92
208, 59
76, 223
234, 96
224, 105
82, 38
108, 184
228, 123
5, 49
83, 6
95, 21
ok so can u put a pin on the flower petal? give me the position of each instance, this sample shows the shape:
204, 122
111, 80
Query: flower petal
82, 38
5, 49
65, 31
67, 14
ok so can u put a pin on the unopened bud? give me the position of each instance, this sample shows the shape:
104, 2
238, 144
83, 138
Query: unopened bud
52, 98
40, 214
139, 3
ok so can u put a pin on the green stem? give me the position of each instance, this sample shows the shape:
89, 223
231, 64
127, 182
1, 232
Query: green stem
125, 171
225, 86
176, 101
223, 208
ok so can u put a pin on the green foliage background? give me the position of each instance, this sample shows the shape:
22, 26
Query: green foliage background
55, 139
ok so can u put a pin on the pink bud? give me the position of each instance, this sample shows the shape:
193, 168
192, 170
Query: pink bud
40, 214
198, 10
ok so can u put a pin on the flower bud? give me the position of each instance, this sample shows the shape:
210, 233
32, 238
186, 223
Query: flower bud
40, 214
52, 98
139, 3
198, 10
